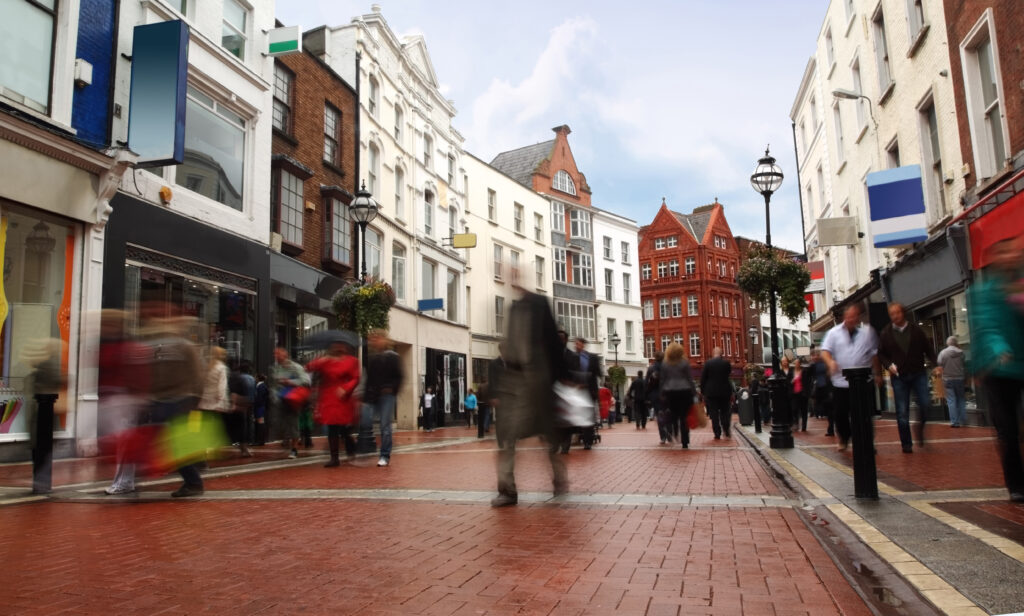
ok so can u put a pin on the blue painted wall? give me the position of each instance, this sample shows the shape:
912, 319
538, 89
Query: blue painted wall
91, 104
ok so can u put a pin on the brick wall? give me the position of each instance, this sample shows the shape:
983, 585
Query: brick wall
91, 104
315, 85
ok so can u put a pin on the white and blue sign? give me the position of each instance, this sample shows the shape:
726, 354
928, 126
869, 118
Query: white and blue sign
897, 206
426, 305
156, 113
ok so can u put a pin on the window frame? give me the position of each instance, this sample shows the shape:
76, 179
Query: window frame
560, 265
558, 216
881, 46
499, 314
690, 265
428, 213
333, 140
243, 33
562, 182
648, 309
673, 241
579, 224
582, 269
221, 111
492, 205
645, 271
664, 308
398, 270
694, 344
538, 227
931, 158
518, 213
498, 262
606, 247
539, 269
609, 284
282, 205
982, 136
677, 307
336, 213
279, 70
627, 287
692, 305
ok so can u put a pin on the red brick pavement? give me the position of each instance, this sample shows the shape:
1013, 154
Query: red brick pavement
999, 517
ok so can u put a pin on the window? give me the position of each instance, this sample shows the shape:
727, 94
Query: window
678, 337
673, 267
662, 269
649, 346
694, 344
626, 288
735, 309
814, 114
557, 217
428, 147
645, 271
691, 305
332, 128
609, 285
499, 314
232, 36
607, 245
915, 18
582, 269
428, 279
803, 145
576, 319
677, 307
398, 271
648, 310
499, 261
28, 26
821, 188
399, 121
717, 245
673, 241
659, 243
629, 336
451, 170
513, 260
453, 295
399, 193
837, 119
289, 208
932, 161
539, 263
881, 50
373, 242
453, 220
711, 306
580, 221
725, 307
663, 308
721, 308
691, 266
428, 213
892, 154
983, 88
560, 265
625, 253
373, 95
665, 341
858, 87
518, 218
564, 183
373, 168
492, 205
611, 331
214, 150
282, 116
338, 232
728, 344
538, 227
850, 10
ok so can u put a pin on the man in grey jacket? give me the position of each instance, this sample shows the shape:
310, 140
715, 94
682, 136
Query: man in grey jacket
951, 363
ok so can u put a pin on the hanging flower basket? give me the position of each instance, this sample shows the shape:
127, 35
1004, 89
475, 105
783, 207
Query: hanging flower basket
363, 307
764, 269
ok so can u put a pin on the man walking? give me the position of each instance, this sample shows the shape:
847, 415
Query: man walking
851, 344
951, 363
383, 380
585, 368
287, 374
717, 390
822, 391
902, 351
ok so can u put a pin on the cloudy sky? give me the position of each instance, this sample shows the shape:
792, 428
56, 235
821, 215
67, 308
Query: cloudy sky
673, 99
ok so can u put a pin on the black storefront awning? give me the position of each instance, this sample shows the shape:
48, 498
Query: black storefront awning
297, 282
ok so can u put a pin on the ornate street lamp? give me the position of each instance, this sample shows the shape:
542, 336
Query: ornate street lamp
364, 211
753, 332
767, 179
615, 340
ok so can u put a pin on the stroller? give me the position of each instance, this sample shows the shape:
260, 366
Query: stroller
578, 417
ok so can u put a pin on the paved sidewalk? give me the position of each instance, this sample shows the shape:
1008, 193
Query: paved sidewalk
943, 520
645, 529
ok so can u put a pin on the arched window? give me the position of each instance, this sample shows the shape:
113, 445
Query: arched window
564, 183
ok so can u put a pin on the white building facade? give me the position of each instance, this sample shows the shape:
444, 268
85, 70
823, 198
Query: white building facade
617, 282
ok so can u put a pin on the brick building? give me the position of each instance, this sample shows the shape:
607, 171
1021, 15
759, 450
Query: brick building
312, 184
688, 287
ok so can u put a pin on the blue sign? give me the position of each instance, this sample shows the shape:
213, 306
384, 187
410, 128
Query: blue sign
897, 206
426, 305
156, 112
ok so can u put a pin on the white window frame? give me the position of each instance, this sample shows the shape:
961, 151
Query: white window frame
627, 288
558, 216
372, 95
538, 227
399, 120
662, 269
692, 305
673, 241
492, 205
560, 265
539, 269
858, 87
563, 182
690, 265
372, 168
428, 213
830, 50
664, 308
578, 320
625, 253
881, 42
673, 268
645, 271
665, 341
648, 309
398, 260
837, 119
629, 336
428, 155
978, 113
916, 19
931, 158
677, 307
606, 245
579, 221
518, 212
243, 33
499, 262
611, 329
694, 344
499, 314
609, 285
659, 243
649, 347
582, 269
399, 193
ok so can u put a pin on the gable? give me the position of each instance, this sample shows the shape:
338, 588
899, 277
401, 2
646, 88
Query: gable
415, 48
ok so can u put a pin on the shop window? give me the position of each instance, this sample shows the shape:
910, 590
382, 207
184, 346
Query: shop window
214, 150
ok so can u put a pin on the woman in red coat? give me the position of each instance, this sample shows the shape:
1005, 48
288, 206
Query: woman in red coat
337, 375
605, 400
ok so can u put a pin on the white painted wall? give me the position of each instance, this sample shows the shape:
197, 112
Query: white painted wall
619, 230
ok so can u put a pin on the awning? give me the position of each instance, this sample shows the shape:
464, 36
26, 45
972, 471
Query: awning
289, 273
1006, 221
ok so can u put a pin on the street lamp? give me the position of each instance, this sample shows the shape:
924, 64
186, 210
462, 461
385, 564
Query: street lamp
615, 340
753, 332
766, 179
364, 211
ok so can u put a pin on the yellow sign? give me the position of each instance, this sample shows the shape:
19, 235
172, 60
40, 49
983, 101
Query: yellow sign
464, 240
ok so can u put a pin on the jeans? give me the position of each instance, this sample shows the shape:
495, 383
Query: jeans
901, 388
385, 409
956, 401
1004, 405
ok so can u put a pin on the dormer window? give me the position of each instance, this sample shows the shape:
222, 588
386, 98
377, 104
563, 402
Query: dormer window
564, 183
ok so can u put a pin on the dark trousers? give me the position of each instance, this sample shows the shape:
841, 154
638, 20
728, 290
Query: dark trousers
841, 411
190, 474
799, 402
483, 420
679, 403
720, 413
1004, 405
428, 418
335, 434
640, 415
823, 406
42, 452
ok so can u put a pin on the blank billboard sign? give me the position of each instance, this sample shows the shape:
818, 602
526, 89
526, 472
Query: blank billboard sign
156, 116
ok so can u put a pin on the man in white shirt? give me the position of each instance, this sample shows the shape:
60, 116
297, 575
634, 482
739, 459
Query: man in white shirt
851, 344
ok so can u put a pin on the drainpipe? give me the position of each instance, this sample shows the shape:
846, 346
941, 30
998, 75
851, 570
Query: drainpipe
355, 181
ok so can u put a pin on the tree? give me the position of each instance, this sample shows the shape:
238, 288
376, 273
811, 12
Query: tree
763, 268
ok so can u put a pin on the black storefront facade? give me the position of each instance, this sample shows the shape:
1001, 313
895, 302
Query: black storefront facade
166, 263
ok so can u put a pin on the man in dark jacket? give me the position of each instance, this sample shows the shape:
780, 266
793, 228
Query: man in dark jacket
902, 350
585, 370
383, 380
717, 390
638, 398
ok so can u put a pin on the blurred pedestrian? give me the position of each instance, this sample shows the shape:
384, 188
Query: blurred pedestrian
638, 398
585, 371
605, 401
533, 363
286, 375
850, 344
242, 389
470, 403
678, 390
427, 403
764, 399
800, 382
903, 349
717, 390
652, 386
337, 375
44, 384
951, 363
384, 376
997, 333
822, 391
215, 399
261, 403
496, 392
123, 385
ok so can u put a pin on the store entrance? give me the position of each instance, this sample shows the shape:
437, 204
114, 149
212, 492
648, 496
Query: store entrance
446, 373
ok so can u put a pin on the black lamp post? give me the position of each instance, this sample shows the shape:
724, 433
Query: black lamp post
754, 334
364, 209
615, 340
766, 179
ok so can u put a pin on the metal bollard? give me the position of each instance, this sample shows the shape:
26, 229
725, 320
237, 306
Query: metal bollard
756, 402
862, 412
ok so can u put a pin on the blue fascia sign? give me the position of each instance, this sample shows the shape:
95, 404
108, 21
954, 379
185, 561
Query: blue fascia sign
897, 207
426, 305
156, 111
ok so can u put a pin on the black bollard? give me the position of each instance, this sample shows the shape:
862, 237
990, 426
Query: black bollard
862, 411
755, 401
782, 414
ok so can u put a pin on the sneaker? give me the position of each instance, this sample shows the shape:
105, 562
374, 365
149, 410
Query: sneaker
294, 454
118, 490
186, 490
504, 500
382, 462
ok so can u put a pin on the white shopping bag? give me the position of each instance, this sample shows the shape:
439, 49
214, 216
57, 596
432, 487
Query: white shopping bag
573, 405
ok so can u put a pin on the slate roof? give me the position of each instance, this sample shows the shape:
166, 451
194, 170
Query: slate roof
521, 163
697, 222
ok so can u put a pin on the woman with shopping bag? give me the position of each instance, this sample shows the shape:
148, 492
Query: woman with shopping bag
677, 390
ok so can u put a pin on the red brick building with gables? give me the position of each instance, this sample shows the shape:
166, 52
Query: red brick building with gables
688, 289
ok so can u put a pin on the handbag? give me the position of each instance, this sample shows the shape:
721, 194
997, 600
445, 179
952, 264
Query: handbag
573, 407
296, 397
187, 437
697, 417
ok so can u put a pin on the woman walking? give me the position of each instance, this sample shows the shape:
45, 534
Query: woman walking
677, 389
337, 375
800, 382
